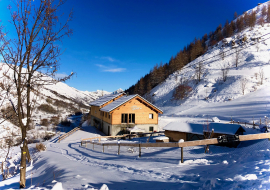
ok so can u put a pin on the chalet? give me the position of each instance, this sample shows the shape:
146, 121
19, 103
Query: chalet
192, 131
114, 114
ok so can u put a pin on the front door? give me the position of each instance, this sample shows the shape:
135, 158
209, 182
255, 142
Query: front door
109, 131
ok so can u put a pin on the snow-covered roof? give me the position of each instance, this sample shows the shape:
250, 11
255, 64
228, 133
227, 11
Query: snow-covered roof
194, 128
123, 100
104, 99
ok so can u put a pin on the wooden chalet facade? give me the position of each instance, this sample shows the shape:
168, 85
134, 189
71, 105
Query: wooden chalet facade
114, 113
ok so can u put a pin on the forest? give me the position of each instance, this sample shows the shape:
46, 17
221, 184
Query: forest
197, 48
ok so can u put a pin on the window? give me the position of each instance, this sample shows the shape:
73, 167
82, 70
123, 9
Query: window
109, 116
101, 113
131, 118
151, 129
151, 116
124, 118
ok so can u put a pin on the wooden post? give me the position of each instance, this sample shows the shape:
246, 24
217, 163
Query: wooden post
119, 149
182, 155
103, 147
140, 150
245, 124
81, 143
59, 139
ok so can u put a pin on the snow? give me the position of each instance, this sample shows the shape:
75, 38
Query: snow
68, 165
161, 138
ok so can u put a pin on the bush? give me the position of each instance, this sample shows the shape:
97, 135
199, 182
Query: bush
181, 92
60, 103
78, 113
54, 120
47, 108
40, 147
65, 123
48, 136
48, 100
44, 122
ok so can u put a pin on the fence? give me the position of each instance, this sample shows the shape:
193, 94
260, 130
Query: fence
181, 145
69, 133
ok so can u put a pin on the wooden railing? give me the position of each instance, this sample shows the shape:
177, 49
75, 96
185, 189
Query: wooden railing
67, 134
169, 144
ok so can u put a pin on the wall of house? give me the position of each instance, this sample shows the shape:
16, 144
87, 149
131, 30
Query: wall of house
115, 129
99, 114
140, 109
175, 136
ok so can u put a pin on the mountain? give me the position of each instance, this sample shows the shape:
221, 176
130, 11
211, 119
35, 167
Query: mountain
242, 95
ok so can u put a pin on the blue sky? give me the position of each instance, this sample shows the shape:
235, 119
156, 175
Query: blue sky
115, 42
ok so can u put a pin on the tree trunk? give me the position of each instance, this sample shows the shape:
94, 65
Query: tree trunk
23, 159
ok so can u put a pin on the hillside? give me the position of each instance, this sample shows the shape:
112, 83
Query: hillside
245, 92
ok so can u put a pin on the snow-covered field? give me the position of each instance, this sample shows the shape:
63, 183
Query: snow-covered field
76, 167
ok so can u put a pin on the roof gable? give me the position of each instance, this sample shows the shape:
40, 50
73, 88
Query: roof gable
104, 99
115, 104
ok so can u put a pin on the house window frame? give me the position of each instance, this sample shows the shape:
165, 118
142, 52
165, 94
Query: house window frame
131, 118
151, 116
125, 118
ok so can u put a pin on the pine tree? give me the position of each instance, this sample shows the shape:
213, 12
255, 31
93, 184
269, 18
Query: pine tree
247, 20
230, 29
268, 13
264, 11
235, 15
252, 19
233, 25
240, 24
225, 29
261, 21
141, 90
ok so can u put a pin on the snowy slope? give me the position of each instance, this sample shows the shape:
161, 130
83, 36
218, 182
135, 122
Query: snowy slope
213, 97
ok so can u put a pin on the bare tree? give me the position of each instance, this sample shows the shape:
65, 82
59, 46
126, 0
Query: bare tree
237, 56
199, 71
258, 46
33, 57
222, 54
244, 85
225, 70
261, 75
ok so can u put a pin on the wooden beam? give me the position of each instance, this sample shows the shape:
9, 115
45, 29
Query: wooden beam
254, 136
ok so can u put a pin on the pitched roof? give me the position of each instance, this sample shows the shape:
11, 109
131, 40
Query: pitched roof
115, 104
229, 129
104, 99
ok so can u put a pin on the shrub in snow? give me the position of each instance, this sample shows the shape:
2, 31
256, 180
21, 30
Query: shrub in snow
181, 92
49, 101
40, 147
44, 122
65, 122
47, 108
54, 120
